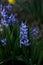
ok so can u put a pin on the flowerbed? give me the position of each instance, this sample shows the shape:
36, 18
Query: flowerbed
18, 40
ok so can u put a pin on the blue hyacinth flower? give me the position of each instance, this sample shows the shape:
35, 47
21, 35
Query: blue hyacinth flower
4, 23
9, 7
12, 19
4, 13
34, 31
3, 41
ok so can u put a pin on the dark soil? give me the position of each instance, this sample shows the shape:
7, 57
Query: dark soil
14, 62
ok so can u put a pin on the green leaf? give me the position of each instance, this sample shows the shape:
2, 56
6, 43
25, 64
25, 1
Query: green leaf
19, 58
40, 58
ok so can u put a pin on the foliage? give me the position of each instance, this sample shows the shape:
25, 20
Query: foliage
32, 54
34, 9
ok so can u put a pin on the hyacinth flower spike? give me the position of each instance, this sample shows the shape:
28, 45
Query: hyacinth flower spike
24, 35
